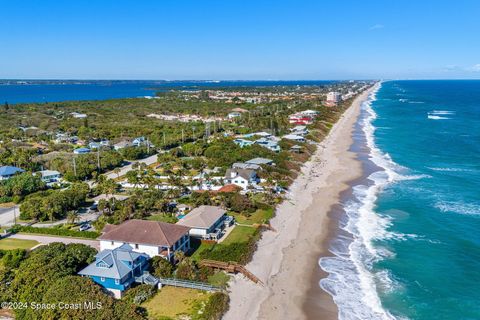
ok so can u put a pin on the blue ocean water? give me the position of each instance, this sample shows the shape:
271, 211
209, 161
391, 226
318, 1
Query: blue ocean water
99, 90
413, 225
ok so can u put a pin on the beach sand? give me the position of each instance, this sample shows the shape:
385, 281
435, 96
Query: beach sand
287, 260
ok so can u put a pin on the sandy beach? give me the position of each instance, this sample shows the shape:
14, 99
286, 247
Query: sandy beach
287, 260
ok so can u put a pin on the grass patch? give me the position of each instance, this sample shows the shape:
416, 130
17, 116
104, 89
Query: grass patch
238, 246
162, 218
239, 234
219, 279
172, 303
10, 244
258, 217
199, 247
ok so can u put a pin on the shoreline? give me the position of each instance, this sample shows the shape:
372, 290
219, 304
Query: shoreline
287, 260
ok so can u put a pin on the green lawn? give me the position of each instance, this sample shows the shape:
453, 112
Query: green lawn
219, 279
175, 303
199, 247
239, 234
10, 244
259, 216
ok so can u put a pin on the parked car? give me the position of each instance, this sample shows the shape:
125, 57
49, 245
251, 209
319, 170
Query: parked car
85, 227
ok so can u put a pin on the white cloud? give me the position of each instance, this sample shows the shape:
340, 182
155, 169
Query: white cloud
475, 68
376, 27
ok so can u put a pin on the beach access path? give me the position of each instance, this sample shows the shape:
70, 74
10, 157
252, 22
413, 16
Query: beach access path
286, 261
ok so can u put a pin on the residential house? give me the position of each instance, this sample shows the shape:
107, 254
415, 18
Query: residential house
142, 141
300, 119
233, 115
243, 142
243, 178
310, 113
294, 137
122, 144
269, 144
296, 148
49, 176
151, 237
299, 130
117, 269
260, 161
97, 145
78, 115
6, 172
241, 165
205, 222
81, 151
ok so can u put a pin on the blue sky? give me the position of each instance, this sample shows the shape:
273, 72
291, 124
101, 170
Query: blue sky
239, 39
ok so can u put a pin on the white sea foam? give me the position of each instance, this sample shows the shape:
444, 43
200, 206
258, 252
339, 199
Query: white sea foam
351, 281
442, 112
459, 207
451, 169
434, 117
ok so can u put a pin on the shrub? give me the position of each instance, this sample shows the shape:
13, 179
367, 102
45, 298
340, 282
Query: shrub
160, 267
57, 232
215, 307
140, 294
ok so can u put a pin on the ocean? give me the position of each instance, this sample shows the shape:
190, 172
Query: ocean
409, 239
55, 91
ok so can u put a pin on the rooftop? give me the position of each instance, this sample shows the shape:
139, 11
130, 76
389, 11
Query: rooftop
9, 170
145, 232
202, 217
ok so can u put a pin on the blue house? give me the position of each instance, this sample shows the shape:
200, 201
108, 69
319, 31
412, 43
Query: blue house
116, 270
6, 172
243, 142
81, 151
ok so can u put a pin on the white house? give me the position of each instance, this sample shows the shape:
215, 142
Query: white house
203, 221
241, 177
78, 115
50, 175
153, 238
294, 137
233, 115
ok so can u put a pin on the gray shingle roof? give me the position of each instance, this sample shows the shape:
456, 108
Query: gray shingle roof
202, 217
114, 267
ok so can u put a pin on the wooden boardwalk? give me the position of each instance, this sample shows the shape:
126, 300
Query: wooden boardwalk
231, 267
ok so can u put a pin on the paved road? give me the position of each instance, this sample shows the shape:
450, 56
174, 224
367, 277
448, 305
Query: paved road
7, 215
123, 170
49, 239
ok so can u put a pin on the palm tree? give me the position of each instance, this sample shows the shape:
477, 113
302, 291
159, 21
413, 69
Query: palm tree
72, 217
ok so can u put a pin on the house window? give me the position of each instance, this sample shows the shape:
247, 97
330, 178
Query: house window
136, 245
102, 279
117, 281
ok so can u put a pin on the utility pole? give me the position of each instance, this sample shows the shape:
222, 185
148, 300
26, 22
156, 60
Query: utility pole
98, 159
74, 167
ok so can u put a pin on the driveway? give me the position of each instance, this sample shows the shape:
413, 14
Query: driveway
43, 239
